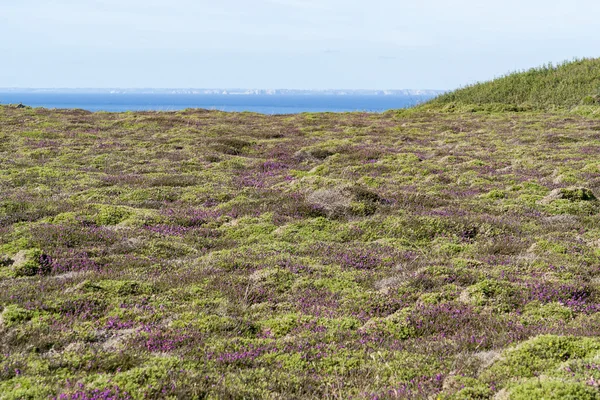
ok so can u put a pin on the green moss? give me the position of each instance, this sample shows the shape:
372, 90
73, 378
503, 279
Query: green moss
553, 389
535, 312
577, 194
404, 366
282, 325
293, 362
495, 194
499, 295
205, 323
15, 315
341, 283
342, 362
448, 293
141, 196
396, 326
452, 249
551, 246
65, 218
25, 388
341, 324
564, 206
111, 215
141, 382
363, 208
166, 247
313, 230
540, 354
465, 388
250, 229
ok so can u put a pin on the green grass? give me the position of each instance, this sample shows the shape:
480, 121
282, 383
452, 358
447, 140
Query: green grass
566, 85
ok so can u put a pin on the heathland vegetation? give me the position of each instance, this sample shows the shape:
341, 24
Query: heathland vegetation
447, 252
564, 86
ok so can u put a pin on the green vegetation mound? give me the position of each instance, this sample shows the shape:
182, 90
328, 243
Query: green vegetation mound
566, 85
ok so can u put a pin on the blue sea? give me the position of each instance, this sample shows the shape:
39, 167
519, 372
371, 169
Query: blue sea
265, 104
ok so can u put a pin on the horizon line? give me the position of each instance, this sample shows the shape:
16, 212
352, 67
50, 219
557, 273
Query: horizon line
15, 88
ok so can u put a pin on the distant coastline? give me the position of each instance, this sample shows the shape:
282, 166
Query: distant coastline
230, 91
274, 102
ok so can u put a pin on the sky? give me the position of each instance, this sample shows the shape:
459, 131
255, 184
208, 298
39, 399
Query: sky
286, 44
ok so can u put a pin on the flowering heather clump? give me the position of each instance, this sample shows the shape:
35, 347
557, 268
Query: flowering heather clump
73, 260
96, 394
157, 340
202, 254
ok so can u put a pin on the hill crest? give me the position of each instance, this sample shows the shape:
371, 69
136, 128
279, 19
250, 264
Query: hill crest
565, 85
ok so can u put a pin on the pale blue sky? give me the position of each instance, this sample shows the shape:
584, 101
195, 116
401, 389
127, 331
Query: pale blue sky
296, 44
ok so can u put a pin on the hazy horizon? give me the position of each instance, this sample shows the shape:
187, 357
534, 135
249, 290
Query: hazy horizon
283, 102
105, 89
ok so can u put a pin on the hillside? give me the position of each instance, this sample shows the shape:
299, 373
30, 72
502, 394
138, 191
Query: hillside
562, 86
201, 254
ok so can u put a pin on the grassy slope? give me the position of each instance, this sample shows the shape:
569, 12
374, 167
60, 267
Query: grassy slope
564, 86
203, 254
